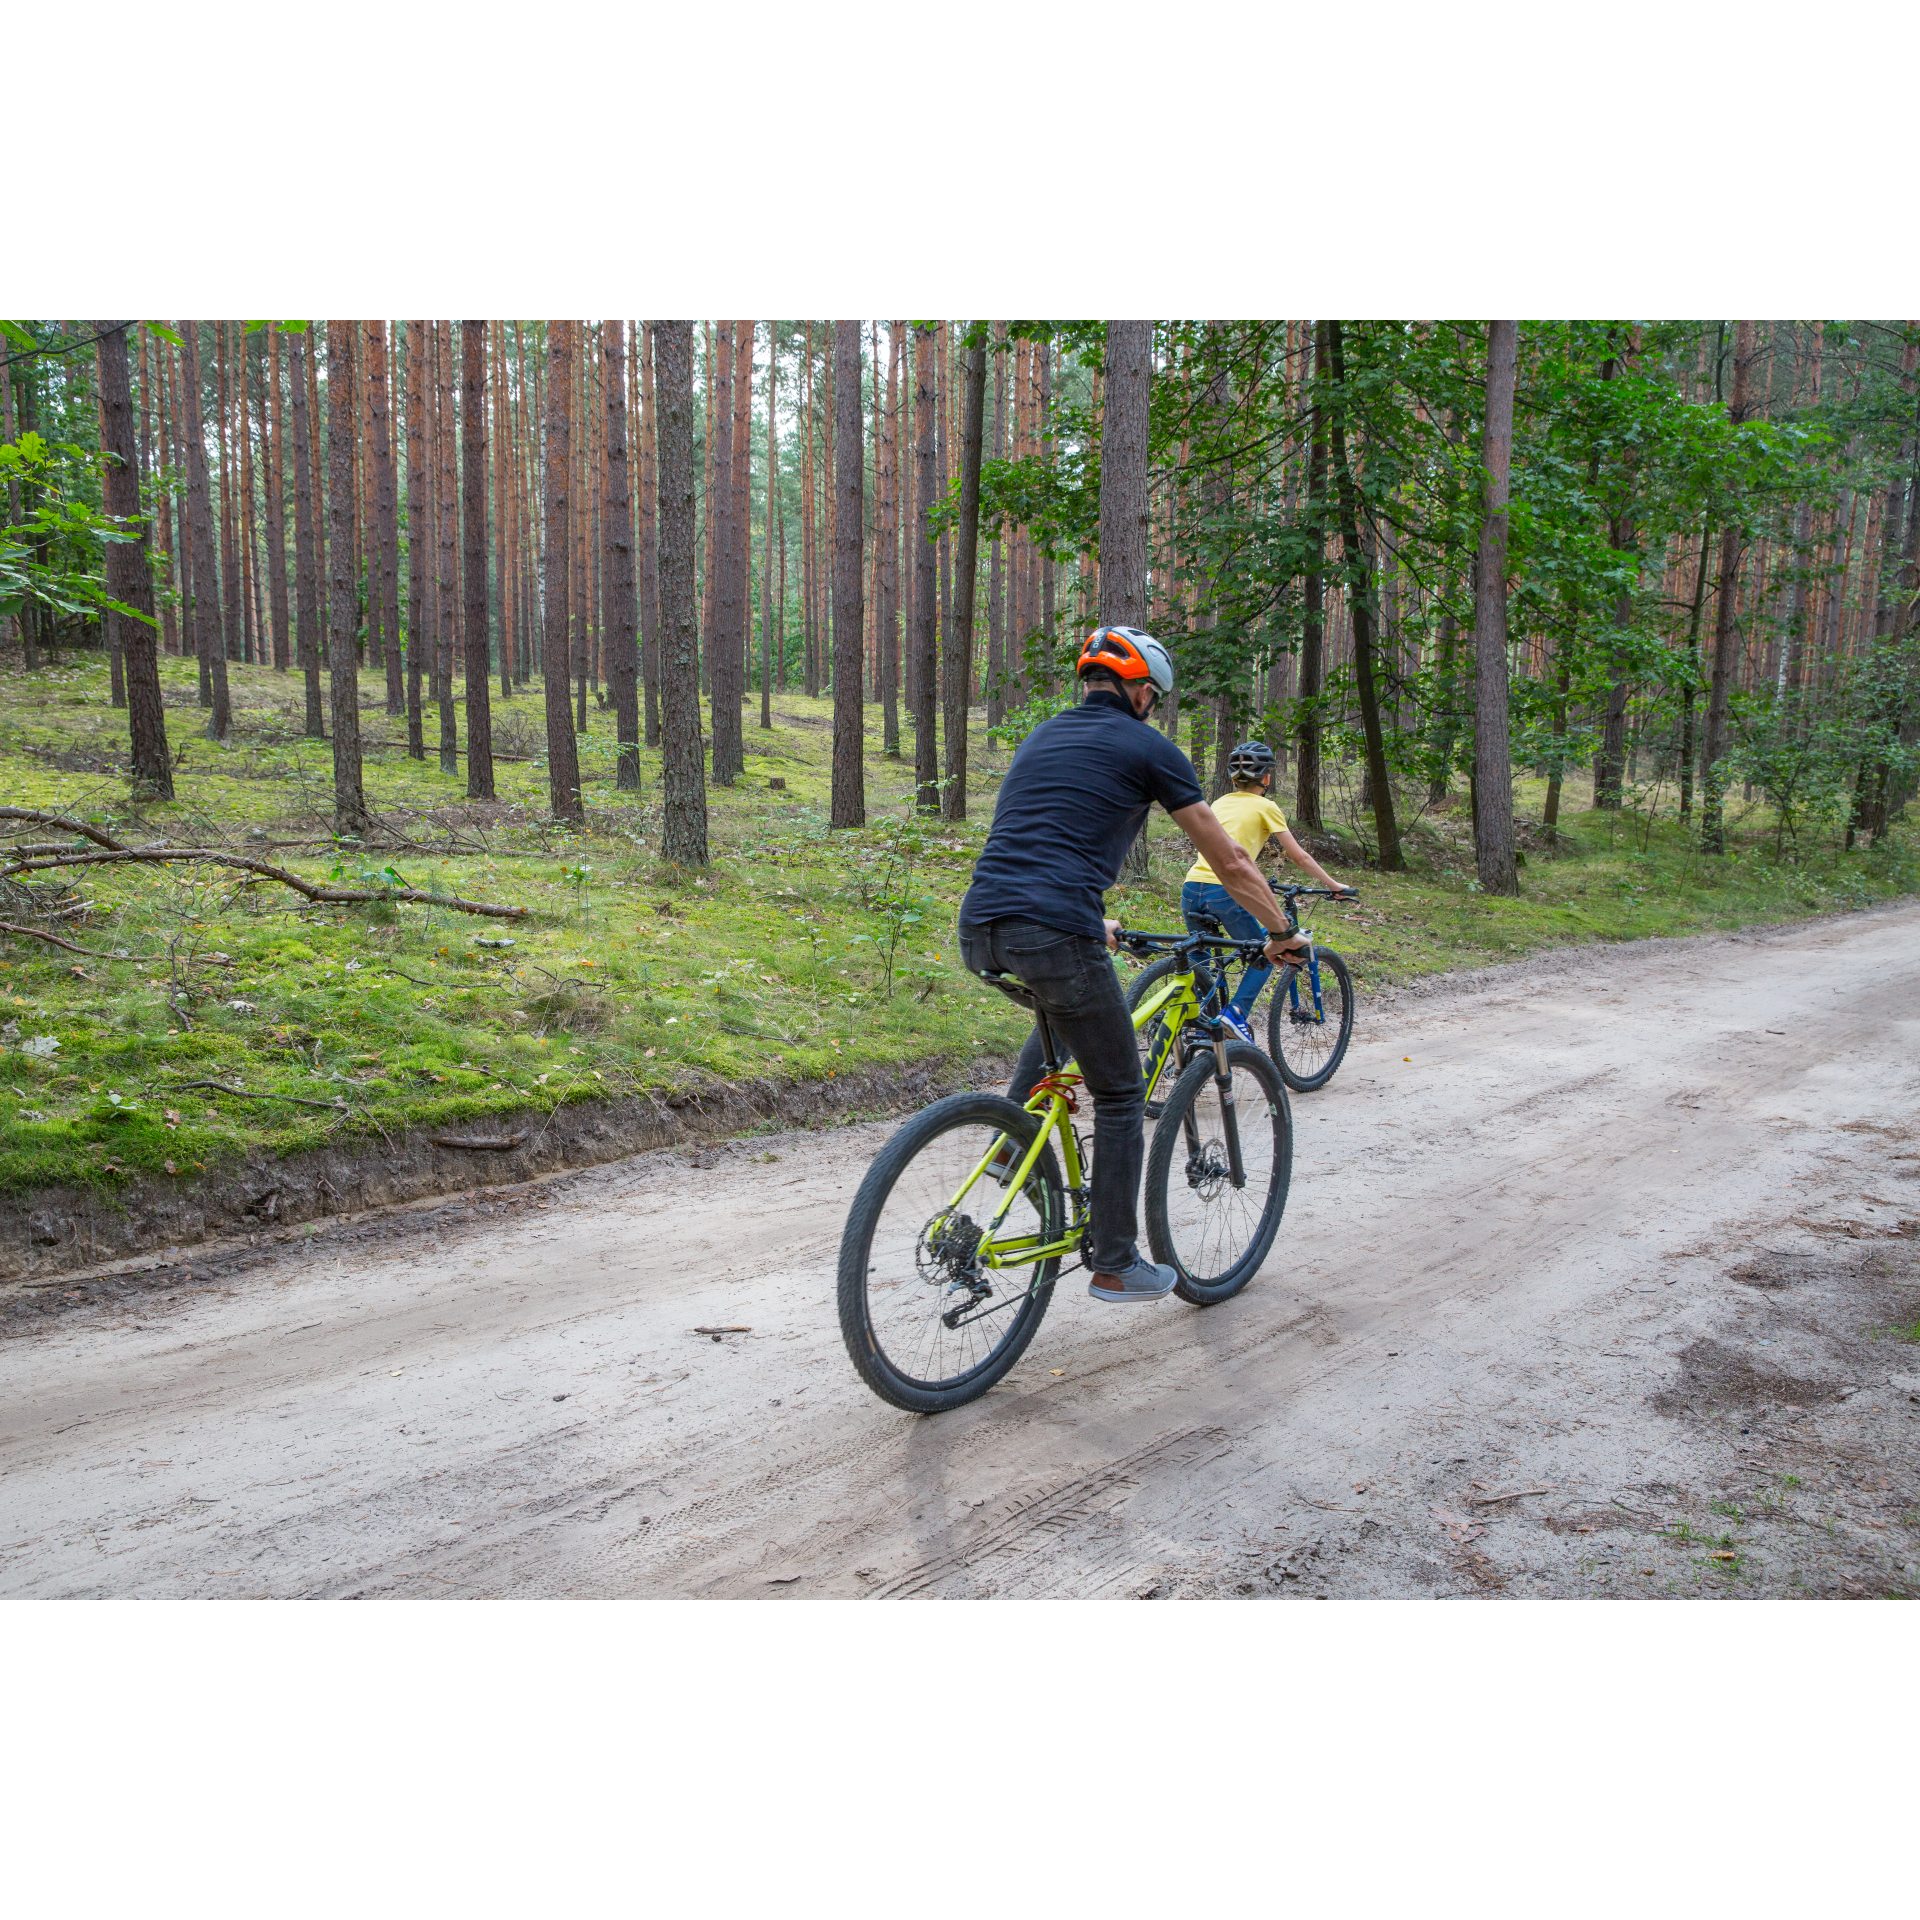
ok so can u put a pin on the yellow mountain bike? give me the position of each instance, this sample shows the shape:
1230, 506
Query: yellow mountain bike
956, 1236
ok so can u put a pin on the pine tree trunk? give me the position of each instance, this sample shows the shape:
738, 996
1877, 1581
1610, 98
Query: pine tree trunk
741, 650
943, 546
924, 679
1492, 749
256, 646
473, 476
349, 802
129, 579
1125, 509
809, 675
1726, 632
722, 613
563, 756
649, 544
1358, 568
383, 544
996, 558
207, 640
420, 540
766, 558
684, 833
824, 549
310, 647
503, 461
887, 545
446, 517
1123, 474
1313, 622
233, 629
849, 800
582, 583
276, 458
959, 681
616, 519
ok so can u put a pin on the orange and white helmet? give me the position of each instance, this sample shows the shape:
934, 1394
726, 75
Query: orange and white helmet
1130, 652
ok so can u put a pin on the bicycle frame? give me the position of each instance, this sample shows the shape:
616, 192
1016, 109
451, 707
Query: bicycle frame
1053, 1101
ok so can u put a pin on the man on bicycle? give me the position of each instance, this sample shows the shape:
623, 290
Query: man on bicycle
1077, 793
1251, 820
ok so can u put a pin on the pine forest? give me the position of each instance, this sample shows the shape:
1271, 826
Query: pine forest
404, 628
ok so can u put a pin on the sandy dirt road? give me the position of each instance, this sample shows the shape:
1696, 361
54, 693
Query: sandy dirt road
1591, 1282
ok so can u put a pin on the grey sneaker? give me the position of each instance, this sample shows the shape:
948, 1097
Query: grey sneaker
1141, 1281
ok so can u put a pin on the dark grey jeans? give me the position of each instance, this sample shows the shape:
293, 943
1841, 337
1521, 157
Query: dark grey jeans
1071, 976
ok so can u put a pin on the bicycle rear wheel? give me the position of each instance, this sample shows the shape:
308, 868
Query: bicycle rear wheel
928, 1328
1212, 1233
1308, 1043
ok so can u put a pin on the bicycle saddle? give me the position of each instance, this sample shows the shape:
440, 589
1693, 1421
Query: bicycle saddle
1014, 989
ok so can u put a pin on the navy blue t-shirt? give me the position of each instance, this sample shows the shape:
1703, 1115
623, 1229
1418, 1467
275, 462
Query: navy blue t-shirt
1069, 807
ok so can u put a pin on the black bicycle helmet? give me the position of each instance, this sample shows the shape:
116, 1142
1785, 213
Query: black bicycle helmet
1254, 758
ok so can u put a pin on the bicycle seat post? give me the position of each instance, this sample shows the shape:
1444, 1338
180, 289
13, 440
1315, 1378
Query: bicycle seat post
1048, 1057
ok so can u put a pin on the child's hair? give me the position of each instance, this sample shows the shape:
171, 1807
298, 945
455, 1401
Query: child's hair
1246, 783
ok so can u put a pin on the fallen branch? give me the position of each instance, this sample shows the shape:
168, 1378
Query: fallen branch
1495, 1499
52, 939
319, 895
240, 1093
66, 820
488, 1143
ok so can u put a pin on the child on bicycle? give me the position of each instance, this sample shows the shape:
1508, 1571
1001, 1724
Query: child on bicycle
1251, 820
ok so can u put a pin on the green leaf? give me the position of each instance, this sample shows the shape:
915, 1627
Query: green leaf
165, 332
18, 334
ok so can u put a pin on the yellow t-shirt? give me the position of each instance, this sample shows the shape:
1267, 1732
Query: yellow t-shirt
1249, 818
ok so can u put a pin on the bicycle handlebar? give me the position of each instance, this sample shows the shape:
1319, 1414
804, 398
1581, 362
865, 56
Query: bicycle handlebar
1314, 893
1140, 944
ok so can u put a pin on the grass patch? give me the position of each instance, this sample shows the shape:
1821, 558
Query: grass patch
799, 954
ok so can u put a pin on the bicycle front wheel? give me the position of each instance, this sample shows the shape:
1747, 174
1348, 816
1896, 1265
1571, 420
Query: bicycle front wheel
1212, 1232
1308, 1042
926, 1325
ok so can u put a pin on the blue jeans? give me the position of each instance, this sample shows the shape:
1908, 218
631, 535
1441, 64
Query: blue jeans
1198, 897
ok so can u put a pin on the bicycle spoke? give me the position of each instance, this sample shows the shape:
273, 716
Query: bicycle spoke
934, 1312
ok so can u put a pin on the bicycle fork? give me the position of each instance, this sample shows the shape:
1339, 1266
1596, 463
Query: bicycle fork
1229, 1116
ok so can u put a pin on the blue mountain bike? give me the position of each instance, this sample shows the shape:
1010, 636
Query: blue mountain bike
1309, 1007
